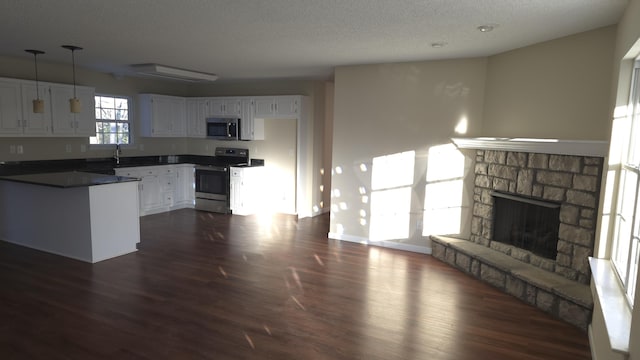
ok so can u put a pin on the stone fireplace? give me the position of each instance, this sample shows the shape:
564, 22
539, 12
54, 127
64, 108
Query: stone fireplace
572, 182
533, 221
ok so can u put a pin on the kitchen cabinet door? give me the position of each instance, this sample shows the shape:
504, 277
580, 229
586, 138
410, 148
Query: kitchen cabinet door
229, 107
162, 115
287, 106
151, 194
284, 107
264, 106
197, 110
245, 190
185, 186
62, 118
40, 123
85, 121
10, 108
66, 123
251, 128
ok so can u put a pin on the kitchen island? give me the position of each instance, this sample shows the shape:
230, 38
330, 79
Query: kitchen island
84, 216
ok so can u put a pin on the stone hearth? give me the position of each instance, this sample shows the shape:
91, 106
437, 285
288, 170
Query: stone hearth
563, 298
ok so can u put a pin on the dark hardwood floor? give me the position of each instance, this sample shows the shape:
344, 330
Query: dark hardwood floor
212, 286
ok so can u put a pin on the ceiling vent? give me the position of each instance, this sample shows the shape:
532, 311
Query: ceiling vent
168, 72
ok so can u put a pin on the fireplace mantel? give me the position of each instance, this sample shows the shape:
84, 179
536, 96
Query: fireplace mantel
543, 146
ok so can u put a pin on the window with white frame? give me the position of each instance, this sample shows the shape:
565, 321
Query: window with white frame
626, 235
112, 120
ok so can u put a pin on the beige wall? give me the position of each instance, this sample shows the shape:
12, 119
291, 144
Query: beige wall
556, 89
392, 108
327, 147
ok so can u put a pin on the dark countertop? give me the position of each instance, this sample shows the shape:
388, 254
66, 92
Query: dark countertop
104, 166
68, 179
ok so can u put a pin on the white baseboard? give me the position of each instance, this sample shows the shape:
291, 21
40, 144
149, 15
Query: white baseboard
387, 244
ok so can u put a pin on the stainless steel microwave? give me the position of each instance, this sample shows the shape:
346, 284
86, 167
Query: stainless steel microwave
223, 128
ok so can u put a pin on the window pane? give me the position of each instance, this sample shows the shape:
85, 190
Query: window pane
633, 269
634, 147
621, 250
122, 115
624, 222
121, 103
107, 102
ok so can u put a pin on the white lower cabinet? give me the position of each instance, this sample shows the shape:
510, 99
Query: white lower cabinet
185, 186
245, 189
151, 201
163, 188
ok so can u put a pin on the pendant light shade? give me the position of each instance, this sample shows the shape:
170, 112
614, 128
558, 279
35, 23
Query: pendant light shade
38, 104
74, 102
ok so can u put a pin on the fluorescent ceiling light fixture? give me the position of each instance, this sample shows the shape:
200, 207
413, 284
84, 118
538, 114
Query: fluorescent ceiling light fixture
169, 72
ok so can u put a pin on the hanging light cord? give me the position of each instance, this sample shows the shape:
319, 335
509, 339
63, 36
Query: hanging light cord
73, 62
35, 61
73, 49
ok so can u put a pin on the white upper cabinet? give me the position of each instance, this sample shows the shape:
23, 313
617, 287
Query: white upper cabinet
36, 123
229, 107
172, 116
197, 110
11, 122
251, 128
277, 106
162, 115
66, 123
18, 119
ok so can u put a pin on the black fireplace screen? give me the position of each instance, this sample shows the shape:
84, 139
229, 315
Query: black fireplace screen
526, 223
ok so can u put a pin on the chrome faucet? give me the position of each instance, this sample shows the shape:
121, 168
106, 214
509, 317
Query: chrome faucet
116, 154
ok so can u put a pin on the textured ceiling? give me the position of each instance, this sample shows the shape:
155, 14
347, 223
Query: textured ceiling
257, 39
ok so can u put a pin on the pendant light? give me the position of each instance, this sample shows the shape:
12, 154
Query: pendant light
74, 103
38, 104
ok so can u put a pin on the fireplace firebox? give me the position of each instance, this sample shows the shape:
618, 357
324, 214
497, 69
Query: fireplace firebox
528, 223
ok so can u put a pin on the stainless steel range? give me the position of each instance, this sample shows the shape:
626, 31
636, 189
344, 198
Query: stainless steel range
212, 180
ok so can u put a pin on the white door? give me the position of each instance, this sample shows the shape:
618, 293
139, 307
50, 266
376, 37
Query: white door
63, 120
36, 123
10, 108
85, 121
